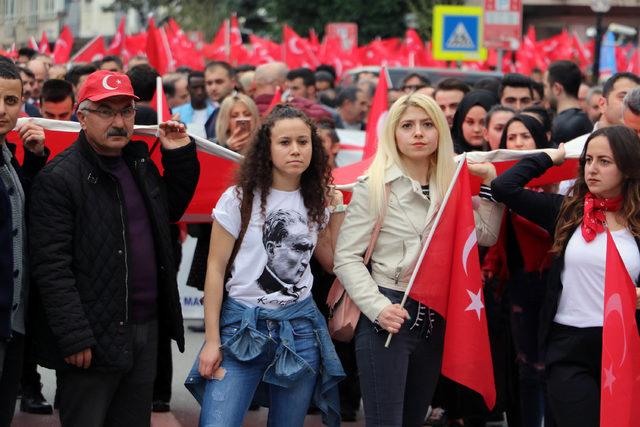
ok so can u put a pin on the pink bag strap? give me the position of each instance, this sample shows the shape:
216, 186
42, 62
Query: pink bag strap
378, 226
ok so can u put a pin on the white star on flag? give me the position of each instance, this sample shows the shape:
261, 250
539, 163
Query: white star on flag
476, 302
118, 81
609, 379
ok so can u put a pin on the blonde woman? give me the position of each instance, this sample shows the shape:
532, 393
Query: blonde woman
237, 122
415, 158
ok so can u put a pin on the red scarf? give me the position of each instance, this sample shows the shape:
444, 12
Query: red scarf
594, 214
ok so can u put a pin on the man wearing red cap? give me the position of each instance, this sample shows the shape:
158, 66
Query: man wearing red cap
102, 257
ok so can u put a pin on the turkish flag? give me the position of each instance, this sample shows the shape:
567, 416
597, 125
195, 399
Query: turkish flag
43, 47
135, 44
331, 51
217, 164
377, 116
117, 44
157, 49
620, 382
33, 44
183, 50
448, 279
63, 46
298, 52
263, 51
92, 51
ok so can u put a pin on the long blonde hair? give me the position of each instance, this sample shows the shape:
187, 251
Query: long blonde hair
224, 116
441, 165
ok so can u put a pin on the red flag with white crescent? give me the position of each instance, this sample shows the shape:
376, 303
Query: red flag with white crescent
43, 46
620, 382
92, 51
448, 279
63, 46
217, 164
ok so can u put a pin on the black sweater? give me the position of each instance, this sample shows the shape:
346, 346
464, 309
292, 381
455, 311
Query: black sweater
542, 209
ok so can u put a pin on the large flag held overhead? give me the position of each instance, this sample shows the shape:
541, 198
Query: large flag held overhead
448, 279
217, 164
620, 382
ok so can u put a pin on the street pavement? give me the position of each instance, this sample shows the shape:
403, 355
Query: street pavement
184, 408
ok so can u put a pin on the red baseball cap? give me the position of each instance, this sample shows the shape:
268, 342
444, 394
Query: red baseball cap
105, 84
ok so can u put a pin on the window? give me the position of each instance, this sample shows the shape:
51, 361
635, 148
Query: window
10, 8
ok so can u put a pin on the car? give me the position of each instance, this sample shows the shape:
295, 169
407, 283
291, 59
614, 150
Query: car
397, 74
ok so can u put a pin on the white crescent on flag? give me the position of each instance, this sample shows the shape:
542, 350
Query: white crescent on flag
293, 46
614, 304
468, 246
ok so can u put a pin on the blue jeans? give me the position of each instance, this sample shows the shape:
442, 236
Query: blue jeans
226, 401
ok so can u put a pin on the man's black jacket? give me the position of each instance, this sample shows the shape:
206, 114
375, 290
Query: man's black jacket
32, 164
79, 255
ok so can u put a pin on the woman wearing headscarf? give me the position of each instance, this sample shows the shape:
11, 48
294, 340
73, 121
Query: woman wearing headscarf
467, 130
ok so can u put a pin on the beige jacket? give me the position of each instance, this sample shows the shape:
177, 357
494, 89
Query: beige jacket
399, 242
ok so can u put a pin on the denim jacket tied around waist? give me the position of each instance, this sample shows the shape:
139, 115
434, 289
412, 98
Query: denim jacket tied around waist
248, 343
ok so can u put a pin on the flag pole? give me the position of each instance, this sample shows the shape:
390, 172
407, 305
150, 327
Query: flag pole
159, 101
429, 237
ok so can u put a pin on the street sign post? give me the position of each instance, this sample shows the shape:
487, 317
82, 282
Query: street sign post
458, 33
502, 24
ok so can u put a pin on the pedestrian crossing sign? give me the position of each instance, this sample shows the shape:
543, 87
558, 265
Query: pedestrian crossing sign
457, 33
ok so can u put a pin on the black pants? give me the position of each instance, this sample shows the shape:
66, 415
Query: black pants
90, 398
164, 372
10, 378
349, 387
573, 369
397, 383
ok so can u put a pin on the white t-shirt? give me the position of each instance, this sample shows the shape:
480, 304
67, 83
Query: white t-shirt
582, 298
271, 268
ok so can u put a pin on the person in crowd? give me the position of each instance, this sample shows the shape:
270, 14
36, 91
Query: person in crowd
268, 78
272, 220
516, 91
537, 75
245, 82
352, 107
561, 87
325, 88
495, 122
196, 113
40, 71
415, 81
28, 80
520, 259
542, 115
219, 80
330, 140
111, 63
143, 80
448, 94
631, 110
58, 71
538, 93
491, 84
238, 122
614, 91
25, 54
57, 100
301, 83
78, 74
100, 331
324, 80
175, 86
583, 91
15, 180
592, 104
137, 60
603, 198
415, 159
468, 129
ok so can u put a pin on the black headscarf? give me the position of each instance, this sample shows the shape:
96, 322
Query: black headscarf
533, 125
480, 97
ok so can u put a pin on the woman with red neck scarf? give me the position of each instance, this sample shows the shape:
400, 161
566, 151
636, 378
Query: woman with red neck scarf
606, 194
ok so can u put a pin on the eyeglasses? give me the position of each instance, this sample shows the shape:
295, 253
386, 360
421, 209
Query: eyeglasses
109, 114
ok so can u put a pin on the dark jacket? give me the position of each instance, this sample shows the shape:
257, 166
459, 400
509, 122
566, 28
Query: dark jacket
31, 165
542, 209
79, 258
